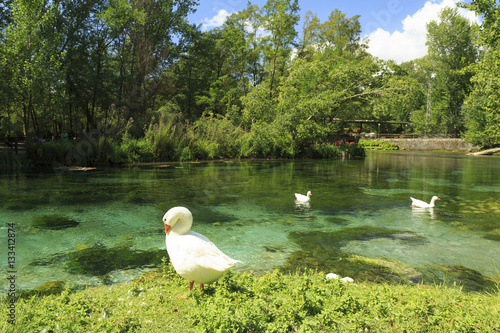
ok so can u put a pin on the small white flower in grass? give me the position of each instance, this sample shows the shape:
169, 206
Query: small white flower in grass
120, 299
143, 303
347, 279
148, 321
332, 276
102, 316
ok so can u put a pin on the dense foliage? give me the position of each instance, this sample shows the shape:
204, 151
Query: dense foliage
482, 106
146, 84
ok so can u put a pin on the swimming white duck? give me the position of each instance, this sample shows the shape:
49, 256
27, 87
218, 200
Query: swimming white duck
423, 204
303, 198
193, 255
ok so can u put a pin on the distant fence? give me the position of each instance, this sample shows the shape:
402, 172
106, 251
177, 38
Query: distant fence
430, 144
15, 145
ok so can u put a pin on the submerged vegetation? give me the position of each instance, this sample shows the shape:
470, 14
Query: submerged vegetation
100, 260
303, 301
323, 250
54, 222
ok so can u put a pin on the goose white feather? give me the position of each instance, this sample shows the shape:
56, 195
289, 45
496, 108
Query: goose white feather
423, 204
193, 255
303, 198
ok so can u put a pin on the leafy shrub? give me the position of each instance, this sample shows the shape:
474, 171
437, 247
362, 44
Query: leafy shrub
325, 151
216, 136
88, 151
165, 139
46, 153
110, 153
271, 140
137, 150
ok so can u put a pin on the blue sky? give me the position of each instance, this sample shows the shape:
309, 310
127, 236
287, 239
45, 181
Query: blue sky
395, 28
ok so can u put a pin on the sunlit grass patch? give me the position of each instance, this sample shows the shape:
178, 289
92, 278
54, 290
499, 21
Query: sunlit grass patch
304, 301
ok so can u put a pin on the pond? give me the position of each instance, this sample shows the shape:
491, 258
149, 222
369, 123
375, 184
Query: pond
105, 226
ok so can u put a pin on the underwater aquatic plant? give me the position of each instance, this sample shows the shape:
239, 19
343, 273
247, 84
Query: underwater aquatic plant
99, 260
54, 222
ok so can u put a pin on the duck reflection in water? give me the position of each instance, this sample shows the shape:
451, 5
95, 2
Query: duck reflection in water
301, 205
420, 211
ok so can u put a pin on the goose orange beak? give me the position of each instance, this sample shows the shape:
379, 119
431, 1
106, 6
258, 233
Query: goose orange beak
167, 229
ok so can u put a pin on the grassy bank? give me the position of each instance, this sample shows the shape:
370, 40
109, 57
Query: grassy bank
373, 144
275, 302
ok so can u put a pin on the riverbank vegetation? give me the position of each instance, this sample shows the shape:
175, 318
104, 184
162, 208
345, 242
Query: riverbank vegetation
136, 81
303, 301
375, 144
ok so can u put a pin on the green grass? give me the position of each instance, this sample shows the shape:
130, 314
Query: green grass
275, 302
374, 144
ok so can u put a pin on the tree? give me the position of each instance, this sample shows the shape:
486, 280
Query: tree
317, 94
482, 107
423, 71
402, 94
279, 19
32, 58
5, 13
341, 34
310, 35
452, 47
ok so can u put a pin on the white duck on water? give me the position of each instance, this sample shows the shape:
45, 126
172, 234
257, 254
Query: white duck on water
423, 204
303, 198
193, 255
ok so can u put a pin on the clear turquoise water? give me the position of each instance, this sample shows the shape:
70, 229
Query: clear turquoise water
247, 208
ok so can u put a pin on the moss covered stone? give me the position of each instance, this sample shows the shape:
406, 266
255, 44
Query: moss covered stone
48, 288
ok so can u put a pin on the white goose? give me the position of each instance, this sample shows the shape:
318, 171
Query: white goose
193, 256
303, 198
423, 204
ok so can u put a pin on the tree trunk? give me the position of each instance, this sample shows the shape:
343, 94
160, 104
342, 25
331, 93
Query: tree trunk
486, 152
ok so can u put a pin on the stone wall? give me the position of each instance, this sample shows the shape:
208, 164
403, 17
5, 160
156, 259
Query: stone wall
432, 144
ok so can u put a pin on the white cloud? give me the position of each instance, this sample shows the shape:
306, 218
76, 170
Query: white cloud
410, 43
218, 20
215, 21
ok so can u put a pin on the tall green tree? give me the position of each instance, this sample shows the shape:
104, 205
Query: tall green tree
423, 71
5, 13
452, 46
482, 107
341, 34
309, 37
32, 59
319, 96
279, 18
